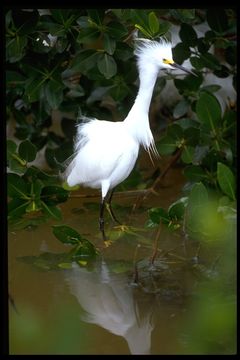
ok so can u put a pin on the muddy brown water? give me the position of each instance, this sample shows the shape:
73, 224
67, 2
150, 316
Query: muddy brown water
111, 308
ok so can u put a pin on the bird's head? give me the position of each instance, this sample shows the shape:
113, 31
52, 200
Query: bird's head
158, 54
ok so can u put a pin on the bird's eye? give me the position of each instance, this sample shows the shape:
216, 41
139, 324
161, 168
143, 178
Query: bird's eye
168, 61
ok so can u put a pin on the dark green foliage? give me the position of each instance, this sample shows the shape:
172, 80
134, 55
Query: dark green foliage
72, 60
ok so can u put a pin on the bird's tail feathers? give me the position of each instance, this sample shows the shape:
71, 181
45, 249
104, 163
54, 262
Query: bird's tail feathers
67, 165
152, 152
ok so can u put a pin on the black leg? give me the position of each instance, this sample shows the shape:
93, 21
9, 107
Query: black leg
101, 219
110, 208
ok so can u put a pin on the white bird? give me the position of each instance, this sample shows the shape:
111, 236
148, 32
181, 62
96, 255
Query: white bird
105, 152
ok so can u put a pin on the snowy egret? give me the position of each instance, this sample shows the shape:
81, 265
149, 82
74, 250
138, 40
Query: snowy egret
105, 152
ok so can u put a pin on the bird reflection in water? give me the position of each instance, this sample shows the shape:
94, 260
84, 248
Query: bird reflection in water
108, 301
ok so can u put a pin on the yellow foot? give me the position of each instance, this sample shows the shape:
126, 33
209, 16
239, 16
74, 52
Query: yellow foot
122, 228
107, 243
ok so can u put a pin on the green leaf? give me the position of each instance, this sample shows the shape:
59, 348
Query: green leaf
163, 27
106, 65
84, 60
109, 44
116, 30
188, 35
52, 211
211, 88
17, 207
140, 16
209, 110
123, 52
176, 132
33, 206
217, 19
35, 188
197, 205
88, 35
83, 21
166, 145
33, 88
15, 48
67, 235
54, 94
194, 173
62, 15
143, 30
176, 209
14, 79
29, 24
197, 62
153, 23
181, 109
96, 15
226, 180
11, 149
17, 165
180, 53
210, 61
187, 154
53, 195
189, 84
184, 15
27, 150
191, 135
159, 214
17, 187
204, 43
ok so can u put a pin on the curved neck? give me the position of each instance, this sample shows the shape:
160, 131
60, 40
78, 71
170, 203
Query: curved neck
147, 82
137, 118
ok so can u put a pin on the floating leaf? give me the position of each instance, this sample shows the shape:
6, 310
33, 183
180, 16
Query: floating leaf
67, 235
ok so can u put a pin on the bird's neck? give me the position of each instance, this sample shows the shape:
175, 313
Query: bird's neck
137, 120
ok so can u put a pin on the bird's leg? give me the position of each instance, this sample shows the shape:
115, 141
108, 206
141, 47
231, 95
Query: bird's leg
101, 219
109, 208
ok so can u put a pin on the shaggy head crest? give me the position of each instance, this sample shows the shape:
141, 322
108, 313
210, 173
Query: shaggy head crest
154, 52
